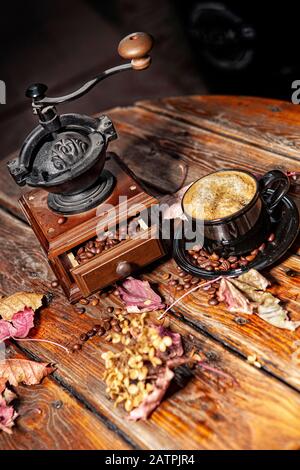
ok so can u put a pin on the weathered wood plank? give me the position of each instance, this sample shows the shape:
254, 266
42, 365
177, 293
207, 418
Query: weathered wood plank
155, 138
276, 349
269, 124
201, 412
52, 419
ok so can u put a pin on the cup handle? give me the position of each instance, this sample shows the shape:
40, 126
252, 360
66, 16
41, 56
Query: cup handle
277, 180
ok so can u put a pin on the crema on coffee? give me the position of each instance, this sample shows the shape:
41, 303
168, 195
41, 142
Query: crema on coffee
219, 195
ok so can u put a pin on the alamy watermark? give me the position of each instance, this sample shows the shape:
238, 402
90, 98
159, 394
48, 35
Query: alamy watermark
126, 220
2, 92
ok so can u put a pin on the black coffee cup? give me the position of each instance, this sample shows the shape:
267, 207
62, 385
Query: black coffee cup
244, 230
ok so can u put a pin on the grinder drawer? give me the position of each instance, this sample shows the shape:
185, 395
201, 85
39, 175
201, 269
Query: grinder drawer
118, 262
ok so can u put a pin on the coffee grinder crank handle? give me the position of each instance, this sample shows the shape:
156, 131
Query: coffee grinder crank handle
135, 46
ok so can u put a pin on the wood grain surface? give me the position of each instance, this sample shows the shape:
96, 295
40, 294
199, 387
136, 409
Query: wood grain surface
201, 410
51, 418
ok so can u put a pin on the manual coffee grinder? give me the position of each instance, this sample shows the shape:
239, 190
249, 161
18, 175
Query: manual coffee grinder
65, 159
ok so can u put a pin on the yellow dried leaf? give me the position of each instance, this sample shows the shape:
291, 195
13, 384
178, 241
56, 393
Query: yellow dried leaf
17, 302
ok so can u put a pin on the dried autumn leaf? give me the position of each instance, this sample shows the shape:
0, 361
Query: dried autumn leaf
255, 279
7, 416
235, 300
153, 399
139, 296
17, 302
17, 371
19, 325
247, 294
7, 413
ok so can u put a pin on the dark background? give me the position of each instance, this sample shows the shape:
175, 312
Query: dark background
226, 47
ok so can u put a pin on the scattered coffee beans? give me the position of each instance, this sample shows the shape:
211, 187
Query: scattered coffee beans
107, 240
213, 262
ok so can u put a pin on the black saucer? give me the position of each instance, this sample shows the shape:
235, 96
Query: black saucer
285, 226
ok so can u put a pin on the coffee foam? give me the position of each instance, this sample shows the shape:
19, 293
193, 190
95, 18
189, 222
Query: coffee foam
219, 195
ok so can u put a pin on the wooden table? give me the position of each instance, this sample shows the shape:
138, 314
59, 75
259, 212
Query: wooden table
70, 409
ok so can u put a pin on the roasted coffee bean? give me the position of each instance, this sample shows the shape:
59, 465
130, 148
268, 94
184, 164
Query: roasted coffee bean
211, 291
203, 253
61, 220
165, 276
106, 325
94, 302
118, 311
232, 259
96, 328
271, 237
76, 347
173, 282
195, 256
225, 265
214, 257
292, 273
215, 264
110, 309
80, 309
209, 268
234, 266
182, 274
187, 278
213, 301
178, 268
83, 337
187, 286
191, 252
179, 288
54, 284
205, 264
262, 247
195, 280
114, 322
89, 254
91, 333
84, 301
101, 331
80, 251
250, 258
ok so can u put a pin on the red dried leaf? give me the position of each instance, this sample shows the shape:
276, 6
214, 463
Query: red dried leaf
6, 330
16, 371
235, 300
7, 413
151, 401
19, 325
23, 322
176, 349
138, 294
7, 417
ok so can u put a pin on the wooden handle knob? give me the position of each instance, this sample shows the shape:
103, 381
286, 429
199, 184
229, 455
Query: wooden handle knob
136, 47
123, 268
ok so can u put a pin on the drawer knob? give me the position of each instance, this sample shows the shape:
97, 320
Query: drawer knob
123, 268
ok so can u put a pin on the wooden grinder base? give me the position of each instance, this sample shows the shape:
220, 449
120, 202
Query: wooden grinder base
59, 239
